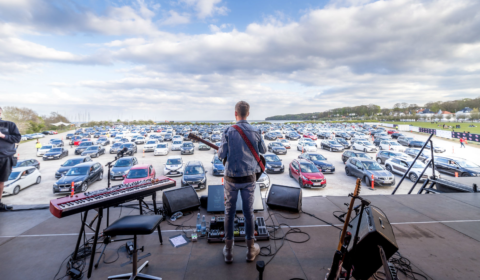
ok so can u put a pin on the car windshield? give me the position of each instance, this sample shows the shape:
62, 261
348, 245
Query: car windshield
75, 171
174, 161
193, 170
177, 142
309, 144
371, 165
55, 141
161, 146
316, 157
116, 145
366, 143
467, 164
216, 160
270, 158
151, 142
137, 173
56, 150
94, 148
332, 142
277, 144
341, 140
187, 145
126, 146
123, 162
417, 165
362, 155
393, 144
86, 144
72, 162
13, 175
308, 168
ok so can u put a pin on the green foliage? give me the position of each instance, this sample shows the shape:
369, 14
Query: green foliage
35, 127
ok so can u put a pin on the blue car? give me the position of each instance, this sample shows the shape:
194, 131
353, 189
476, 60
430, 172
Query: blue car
121, 167
320, 162
69, 164
218, 168
273, 164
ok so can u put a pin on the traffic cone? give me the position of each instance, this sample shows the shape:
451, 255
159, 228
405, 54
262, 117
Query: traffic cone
143, 153
18, 156
73, 189
222, 180
456, 174
373, 183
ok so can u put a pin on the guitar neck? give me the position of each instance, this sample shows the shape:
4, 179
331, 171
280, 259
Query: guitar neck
196, 138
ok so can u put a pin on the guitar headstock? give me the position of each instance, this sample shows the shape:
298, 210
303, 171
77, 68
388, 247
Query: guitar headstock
357, 188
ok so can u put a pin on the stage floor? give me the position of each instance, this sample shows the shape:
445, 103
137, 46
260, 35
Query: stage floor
439, 234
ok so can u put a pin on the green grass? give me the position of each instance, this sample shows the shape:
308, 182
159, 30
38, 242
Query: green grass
463, 126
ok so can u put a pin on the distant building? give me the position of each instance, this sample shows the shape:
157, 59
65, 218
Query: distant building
465, 112
442, 115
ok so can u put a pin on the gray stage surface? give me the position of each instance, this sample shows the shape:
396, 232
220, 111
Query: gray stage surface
440, 234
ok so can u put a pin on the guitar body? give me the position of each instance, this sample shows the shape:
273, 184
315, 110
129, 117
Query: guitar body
195, 137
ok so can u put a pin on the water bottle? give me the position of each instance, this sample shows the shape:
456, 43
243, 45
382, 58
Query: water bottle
199, 227
204, 226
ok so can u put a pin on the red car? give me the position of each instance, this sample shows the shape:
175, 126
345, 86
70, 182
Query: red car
77, 142
392, 131
307, 174
310, 135
139, 172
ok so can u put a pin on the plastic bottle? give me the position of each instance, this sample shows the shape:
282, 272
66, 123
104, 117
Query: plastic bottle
204, 226
199, 226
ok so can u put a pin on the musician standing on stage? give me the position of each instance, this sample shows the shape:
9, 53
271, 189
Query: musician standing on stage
9, 136
240, 169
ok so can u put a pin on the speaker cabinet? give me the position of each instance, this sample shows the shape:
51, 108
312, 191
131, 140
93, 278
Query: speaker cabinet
285, 198
182, 199
375, 229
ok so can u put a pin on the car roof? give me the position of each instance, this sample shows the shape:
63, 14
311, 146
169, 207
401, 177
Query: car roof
89, 163
194, 162
301, 160
22, 168
141, 166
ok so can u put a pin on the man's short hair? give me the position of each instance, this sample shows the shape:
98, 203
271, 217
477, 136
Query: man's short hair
242, 108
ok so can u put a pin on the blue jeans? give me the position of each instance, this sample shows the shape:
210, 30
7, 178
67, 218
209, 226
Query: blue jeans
462, 144
247, 191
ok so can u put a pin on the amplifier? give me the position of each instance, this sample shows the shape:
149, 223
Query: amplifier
285, 197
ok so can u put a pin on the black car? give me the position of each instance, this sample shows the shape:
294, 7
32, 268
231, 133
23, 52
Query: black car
292, 136
323, 135
273, 164
396, 135
216, 137
194, 175
69, 164
331, 145
28, 162
415, 144
364, 169
217, 166
320, 162
103, 141
96, 135
348, 154
131, 149
56, 142
55, 153
382, 156
69, 136
452, 165
277, 148
270, 136
403, 140
343, 142
82, 175
121, 167
82, 147
187, 148
115, 148
94, 151
343, 135
185, 137
168, 137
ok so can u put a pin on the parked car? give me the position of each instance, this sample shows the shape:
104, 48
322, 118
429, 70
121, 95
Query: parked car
310, 136
331, 145
400, 166
348, 154
174, 166
217, 166
270, 136
364, 146
203, 147
264, 181
307, 174
187, 148
94, 151
292, 136
82, 175
82, 147
306, 146
216, 137
150, 145
69, 164
396, 135
301, 140
273, 164
413, 152
21, 178
28, 162
176, 145
69, 136
122, 167
320, 162
403, 140
103, 141
452, 165
195, 175
139, 172
55, 153
391, 146
115, 148
277, 148
56, 142
284, 142
344, 143
161, 149
140, 140
131, 149
43, 150
365, 168
383, 156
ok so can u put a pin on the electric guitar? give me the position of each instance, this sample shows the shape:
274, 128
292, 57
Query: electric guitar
213, 146
345, 238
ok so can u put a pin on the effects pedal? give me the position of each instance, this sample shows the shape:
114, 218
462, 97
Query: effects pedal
255, 233
213, 221
214, 233
241, 221
236, 232
242, 231
220, 219
260, 221
262, 231
222, 234
194, 237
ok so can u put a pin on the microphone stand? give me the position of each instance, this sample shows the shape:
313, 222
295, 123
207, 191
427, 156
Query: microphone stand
109, 165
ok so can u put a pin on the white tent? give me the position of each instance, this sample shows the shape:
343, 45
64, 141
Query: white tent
61, 123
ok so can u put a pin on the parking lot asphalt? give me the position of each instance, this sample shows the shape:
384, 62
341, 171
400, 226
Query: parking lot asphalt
338, 184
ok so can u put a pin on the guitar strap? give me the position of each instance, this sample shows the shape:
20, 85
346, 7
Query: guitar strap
250, 146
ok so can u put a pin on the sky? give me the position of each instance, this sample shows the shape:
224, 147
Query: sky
194, 59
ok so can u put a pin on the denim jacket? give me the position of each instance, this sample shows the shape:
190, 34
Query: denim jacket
240, 161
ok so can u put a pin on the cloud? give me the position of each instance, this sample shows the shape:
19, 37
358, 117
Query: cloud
175, 18
206, 8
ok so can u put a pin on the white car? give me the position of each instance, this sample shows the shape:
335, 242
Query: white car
20, 178
391, 145
174, 166
140, 140
177, 137
38, 135
303, 139
177, 145
400, 165
43, 150
150, 145
116, 139
364, 146
306, 147
284, 142
264, 181
358, 136
161, 149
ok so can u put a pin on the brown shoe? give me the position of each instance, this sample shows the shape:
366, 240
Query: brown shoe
228, 251
252, 250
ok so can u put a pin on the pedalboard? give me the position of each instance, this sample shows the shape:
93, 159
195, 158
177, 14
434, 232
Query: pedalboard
216, 232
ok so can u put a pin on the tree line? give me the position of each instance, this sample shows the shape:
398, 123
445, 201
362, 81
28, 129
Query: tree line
28, 121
